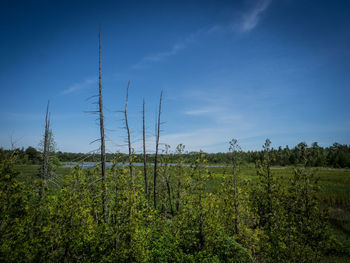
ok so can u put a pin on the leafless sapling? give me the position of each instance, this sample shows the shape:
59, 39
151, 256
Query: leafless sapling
144, 150
156, 153
179, 150
129, 139
46, 152
167, 177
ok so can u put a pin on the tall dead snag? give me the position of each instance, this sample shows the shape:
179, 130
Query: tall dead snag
235, 151
156, 154
103, 149
167, 177
46, 150
144, 150
179, 150
129, 140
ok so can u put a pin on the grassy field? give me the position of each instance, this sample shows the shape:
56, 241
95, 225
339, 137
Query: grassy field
334, 193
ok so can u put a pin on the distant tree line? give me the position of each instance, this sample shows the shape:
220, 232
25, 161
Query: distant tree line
27, 156
337, 156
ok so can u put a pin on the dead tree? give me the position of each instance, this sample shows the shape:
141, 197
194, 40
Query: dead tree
102, 132
46, 150
235, 150
179, 149
129, 139
167, 177
156, 154
144, 150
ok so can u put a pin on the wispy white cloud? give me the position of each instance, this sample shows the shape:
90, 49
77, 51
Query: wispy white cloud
228, 118
250, 135
159, 56
251, 18
176, 48
202, 111
218, 106
79, 86
249, 21
221, 115
208, 139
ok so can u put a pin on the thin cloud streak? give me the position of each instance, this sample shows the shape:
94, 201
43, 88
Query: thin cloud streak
249, 22
207, 139
202, 111
252, 18
176, 48
79, 86
158, 56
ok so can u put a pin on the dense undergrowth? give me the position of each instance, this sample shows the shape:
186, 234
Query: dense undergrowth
201, 216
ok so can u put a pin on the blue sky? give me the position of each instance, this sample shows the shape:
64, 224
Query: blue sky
250, 70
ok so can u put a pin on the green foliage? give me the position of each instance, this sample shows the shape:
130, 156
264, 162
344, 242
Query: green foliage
216, 217
307, 233
15, 225
33, 155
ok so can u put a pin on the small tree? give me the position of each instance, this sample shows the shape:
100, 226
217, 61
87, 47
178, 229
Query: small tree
266, 198
33, 155
48, 147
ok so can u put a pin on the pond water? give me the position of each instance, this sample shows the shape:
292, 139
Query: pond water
109, 164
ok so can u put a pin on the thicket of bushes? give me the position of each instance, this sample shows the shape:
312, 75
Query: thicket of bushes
267, 220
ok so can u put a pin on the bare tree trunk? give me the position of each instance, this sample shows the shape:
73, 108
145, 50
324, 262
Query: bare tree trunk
129, 140
178, 192
156, 154
144, 150
180, 171
167, 180
201, 234
46, 152
166, 176
103, 150
235, 197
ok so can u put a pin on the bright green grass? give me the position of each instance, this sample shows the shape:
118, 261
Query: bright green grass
334, 183
29, 173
